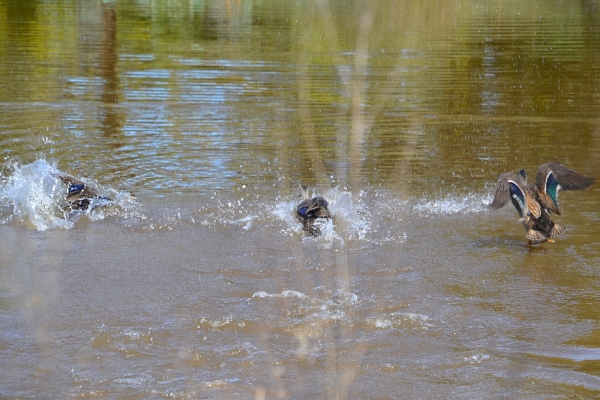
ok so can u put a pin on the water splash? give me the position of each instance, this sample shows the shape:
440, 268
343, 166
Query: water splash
352, 213
34, 196
398, 320
284, 294
34, 192
345, 211
472, 203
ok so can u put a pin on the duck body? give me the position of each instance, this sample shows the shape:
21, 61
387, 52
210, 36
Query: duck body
310, 210
537, 202
80, 196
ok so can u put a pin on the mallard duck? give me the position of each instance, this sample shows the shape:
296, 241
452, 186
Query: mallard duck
537, 201
309, 210
80, 195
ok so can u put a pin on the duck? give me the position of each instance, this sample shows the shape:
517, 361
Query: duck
537, 202
80, 195
310, 210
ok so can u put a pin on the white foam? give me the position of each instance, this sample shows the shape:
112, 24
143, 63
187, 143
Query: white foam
344, 211
333, 308
217, 323
245, 222
401, 320
37, 196
285, 293
472, 203
286, 211
477, 358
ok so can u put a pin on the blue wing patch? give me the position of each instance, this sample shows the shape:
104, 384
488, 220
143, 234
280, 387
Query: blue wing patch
518, 197
302, 210
552, 187
76, 187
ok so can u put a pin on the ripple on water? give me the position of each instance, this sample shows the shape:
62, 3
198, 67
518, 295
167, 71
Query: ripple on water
401, 321
303, 309
128, 341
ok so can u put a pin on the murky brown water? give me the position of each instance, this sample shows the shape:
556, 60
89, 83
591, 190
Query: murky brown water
402, 114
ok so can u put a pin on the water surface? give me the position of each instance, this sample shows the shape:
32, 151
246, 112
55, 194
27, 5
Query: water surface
401, 114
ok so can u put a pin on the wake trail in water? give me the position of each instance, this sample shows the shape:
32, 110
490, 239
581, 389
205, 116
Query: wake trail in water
34, 196
378, 217
466, 204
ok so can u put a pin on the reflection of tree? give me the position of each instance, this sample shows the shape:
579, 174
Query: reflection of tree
99, 57
349, 139
356, 114
108, 71
21, 16
368, 134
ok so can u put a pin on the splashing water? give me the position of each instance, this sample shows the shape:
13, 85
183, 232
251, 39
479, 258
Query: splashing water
472, 203
35, 196
342, 208
35, 193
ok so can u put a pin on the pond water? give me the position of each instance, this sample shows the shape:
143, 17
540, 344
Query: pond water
401, 114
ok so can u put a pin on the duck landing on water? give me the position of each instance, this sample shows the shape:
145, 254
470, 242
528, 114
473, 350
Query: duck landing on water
82, 197
310, 210
537, 201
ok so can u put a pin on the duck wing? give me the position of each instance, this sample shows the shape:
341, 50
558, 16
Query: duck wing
302, 208
79, 194
70, 180
552, 177
319, 205
313, 208
509, 189
77, 189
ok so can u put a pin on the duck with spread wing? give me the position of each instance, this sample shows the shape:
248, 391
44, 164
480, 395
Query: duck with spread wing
81, 196
537, 202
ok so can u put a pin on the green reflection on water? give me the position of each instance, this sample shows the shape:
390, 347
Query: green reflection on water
384, 93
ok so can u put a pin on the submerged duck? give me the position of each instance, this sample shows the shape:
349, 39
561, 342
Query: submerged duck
311, 209
80, 195
537, 201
